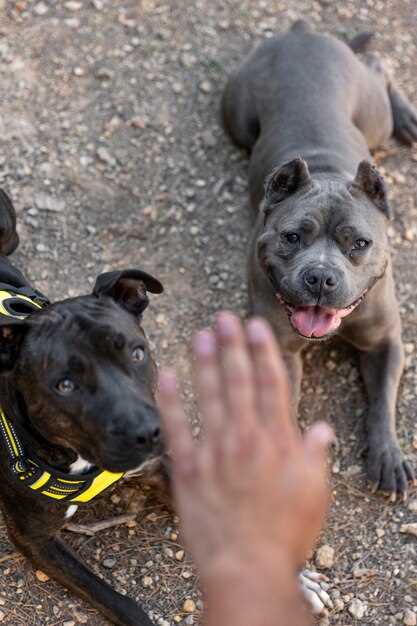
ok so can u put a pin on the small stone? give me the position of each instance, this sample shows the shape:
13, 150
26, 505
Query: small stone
339, 605
179, 555
46, 202
40, 247
41, 8
138, 122
205, 86
409, 529
380, 532
105, 156
71, 5
412, 506
409, 234
41, 576
357, 608
189, 606
2, 616
109, 563
69, 622
177, 87
78, 71
410, 618
186, 574
147, 581
188, 59
104, 73
325, 557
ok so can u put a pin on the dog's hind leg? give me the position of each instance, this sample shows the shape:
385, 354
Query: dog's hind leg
404, 116
55, 559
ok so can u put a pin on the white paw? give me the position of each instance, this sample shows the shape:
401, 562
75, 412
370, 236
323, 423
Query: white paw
314, 588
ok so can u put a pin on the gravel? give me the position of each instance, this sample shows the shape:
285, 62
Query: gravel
109, 115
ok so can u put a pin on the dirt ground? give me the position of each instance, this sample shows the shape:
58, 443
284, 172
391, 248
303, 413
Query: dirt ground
112, 150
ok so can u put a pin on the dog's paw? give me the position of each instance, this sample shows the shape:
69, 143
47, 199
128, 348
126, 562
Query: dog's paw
314, 588
388, 471
405, 119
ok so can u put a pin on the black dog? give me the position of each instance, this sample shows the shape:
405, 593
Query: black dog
77, 385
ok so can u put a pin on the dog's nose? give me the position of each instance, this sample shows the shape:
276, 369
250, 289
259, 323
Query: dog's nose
320, 280
148, 437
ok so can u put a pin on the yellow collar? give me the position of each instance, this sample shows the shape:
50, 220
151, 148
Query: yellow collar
34, 473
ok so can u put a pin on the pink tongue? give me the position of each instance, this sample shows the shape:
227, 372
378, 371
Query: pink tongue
316, 321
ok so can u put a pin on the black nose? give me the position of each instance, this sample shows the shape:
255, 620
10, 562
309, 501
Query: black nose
148, 437
320, 280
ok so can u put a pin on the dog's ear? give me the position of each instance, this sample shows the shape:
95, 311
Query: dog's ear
286, 180
372, 184
128, 288
12, 333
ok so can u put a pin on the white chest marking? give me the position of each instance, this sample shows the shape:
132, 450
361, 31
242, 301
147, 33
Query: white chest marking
78, 467
71, 510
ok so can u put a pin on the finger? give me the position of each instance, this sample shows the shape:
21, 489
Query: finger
236, 373
271, 380
207, 383
174, 422
316, 587
316, 442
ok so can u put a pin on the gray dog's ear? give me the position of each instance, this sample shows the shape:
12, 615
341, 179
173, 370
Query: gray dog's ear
286, 180
372, 184
12, 333
128, 288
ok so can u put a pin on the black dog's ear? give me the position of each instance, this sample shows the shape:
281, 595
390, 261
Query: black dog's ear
9, 238
128, 288
371, 183
12, 332
286, 180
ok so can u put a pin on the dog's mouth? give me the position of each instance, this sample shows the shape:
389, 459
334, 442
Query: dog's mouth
315, 321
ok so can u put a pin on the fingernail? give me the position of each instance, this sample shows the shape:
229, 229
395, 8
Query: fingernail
257, 331
167, 381
204, 343
226, 324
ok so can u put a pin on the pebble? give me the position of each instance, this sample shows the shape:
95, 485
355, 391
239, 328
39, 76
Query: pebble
41, 576
325, 557
69, 622
71, 5
410, 618
41, 8
147, 581
189, 606
109, 563
357, 608
409, 529
412, 505
179, 555
46, 202
105, 156
205, 86
2, 616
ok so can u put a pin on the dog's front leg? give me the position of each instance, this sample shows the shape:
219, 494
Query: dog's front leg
381, 369
54, 558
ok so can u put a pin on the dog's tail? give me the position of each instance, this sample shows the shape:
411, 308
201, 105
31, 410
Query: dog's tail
360, 42
301, 25
9, 239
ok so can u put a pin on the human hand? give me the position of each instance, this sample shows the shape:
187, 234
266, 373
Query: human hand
253, 490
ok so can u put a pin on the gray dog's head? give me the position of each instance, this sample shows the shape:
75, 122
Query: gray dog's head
324, 243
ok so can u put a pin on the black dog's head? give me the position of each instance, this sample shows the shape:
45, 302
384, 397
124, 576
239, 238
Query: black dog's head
85, 373
324, 243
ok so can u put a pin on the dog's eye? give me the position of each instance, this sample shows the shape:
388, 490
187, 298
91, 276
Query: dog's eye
292, 237
361, 244
65, 386
138, 354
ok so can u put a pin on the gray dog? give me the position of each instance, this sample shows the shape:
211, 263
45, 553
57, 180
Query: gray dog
309, 111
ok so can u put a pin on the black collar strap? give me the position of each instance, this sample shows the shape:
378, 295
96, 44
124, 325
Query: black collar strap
33, 472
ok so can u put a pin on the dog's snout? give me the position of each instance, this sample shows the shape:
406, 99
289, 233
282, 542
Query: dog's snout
320, 280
